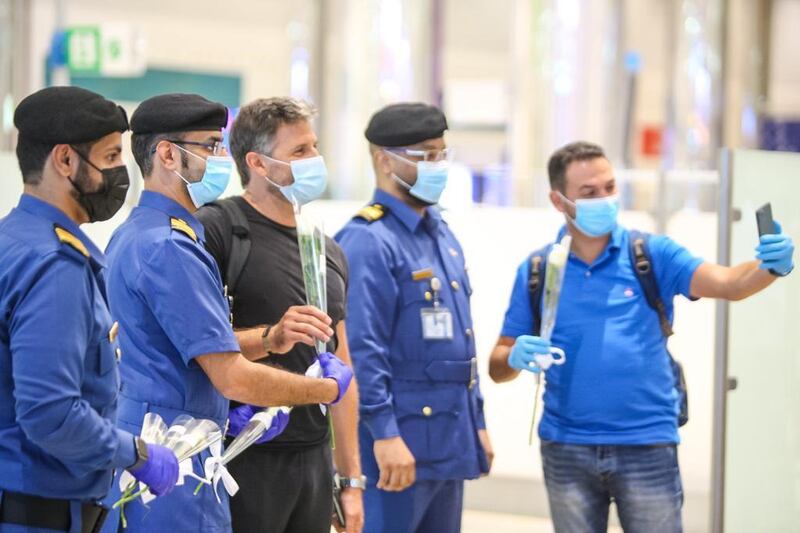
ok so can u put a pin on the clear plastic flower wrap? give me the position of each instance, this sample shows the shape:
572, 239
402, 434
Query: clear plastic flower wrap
216, 466
311, 241
557, 261
186, 437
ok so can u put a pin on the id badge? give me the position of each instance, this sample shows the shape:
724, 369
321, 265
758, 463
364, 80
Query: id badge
437, 323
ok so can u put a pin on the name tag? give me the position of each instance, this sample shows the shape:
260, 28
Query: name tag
437, 323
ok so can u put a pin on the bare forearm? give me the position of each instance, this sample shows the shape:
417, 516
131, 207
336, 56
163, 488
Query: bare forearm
266, 386
345, 417
345, 426
730, 283
251, 343
247, 382
499, 370
747, 279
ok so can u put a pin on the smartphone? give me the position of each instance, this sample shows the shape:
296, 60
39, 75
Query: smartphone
764, 220
338, 510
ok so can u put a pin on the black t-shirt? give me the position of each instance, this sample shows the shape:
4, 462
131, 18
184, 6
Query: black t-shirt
271, 282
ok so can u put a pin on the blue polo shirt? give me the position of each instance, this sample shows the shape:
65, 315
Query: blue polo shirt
616, 386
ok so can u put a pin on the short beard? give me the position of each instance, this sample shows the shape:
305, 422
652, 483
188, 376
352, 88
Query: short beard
83, 181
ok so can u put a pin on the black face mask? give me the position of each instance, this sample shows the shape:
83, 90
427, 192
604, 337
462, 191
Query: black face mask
104, 204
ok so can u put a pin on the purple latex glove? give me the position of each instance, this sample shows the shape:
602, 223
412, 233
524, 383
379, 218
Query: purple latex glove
240, 417
335, 369
160, 472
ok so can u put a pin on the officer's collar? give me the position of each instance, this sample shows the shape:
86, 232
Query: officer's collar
410, 218
40, 208
615, 243
158, 201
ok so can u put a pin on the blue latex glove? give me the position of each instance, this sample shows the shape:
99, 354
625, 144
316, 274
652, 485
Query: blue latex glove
775, 252
335, 369
240, 417
160, 472
524, 350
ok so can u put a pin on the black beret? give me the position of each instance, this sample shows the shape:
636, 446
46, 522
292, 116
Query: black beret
405, 124
178, 112
68, 115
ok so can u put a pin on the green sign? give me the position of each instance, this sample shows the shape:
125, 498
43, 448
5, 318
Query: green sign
83, 50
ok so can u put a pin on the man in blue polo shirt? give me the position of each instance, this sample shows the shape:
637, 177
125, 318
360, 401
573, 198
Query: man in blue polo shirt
609, 430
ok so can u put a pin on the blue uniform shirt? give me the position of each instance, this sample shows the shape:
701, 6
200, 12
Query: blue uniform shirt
409, 386
616, 386
166, 291
58, 363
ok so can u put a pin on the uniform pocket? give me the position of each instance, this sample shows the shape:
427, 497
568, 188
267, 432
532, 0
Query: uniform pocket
107, 356
434, 425
414, 292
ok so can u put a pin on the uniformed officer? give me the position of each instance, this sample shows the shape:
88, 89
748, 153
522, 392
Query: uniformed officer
181, 355
422, 430
58, 343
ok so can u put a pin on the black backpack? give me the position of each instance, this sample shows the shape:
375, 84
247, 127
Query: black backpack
640, 260
240, 246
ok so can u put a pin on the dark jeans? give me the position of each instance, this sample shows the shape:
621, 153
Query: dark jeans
283, 491
643, 481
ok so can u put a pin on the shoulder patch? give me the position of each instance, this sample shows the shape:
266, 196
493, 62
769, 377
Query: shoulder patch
66, 237
181, 225
371, 213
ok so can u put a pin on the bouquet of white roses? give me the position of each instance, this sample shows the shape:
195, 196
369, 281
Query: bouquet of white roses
186, 437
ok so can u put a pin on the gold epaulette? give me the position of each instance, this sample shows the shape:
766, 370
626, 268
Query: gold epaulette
371, 213
68, 238
182, 226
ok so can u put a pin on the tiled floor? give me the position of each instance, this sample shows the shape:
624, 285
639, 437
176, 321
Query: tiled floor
481, 522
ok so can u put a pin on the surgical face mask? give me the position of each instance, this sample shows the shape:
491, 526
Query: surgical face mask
431, 179
104, 204
214, 181
594, 217
310, 177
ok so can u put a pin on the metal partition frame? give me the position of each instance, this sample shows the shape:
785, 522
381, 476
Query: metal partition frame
721, 385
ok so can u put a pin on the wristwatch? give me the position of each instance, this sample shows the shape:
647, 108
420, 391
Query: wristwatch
141, 453
265, 339
351, 482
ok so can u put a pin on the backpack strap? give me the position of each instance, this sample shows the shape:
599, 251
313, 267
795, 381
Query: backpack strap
643, 268
536, 273
240, 243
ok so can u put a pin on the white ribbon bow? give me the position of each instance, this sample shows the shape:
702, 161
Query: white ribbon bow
215, 470
545, 361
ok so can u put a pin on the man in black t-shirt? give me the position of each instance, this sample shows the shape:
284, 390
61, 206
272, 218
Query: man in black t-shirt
286, 484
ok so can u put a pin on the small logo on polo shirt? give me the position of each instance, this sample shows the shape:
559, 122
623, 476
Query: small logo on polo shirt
628, 292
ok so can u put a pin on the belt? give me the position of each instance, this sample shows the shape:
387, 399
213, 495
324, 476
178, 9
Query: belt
49, 513
443, 371
133, 411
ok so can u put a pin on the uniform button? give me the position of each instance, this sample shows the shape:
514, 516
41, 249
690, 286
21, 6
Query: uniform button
118, 353
427, 411
454, 284
588, 273
468, 332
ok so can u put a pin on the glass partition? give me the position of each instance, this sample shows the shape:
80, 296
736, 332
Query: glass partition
757, 444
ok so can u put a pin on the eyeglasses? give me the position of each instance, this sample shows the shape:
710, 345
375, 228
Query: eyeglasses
216, 147
445, 154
